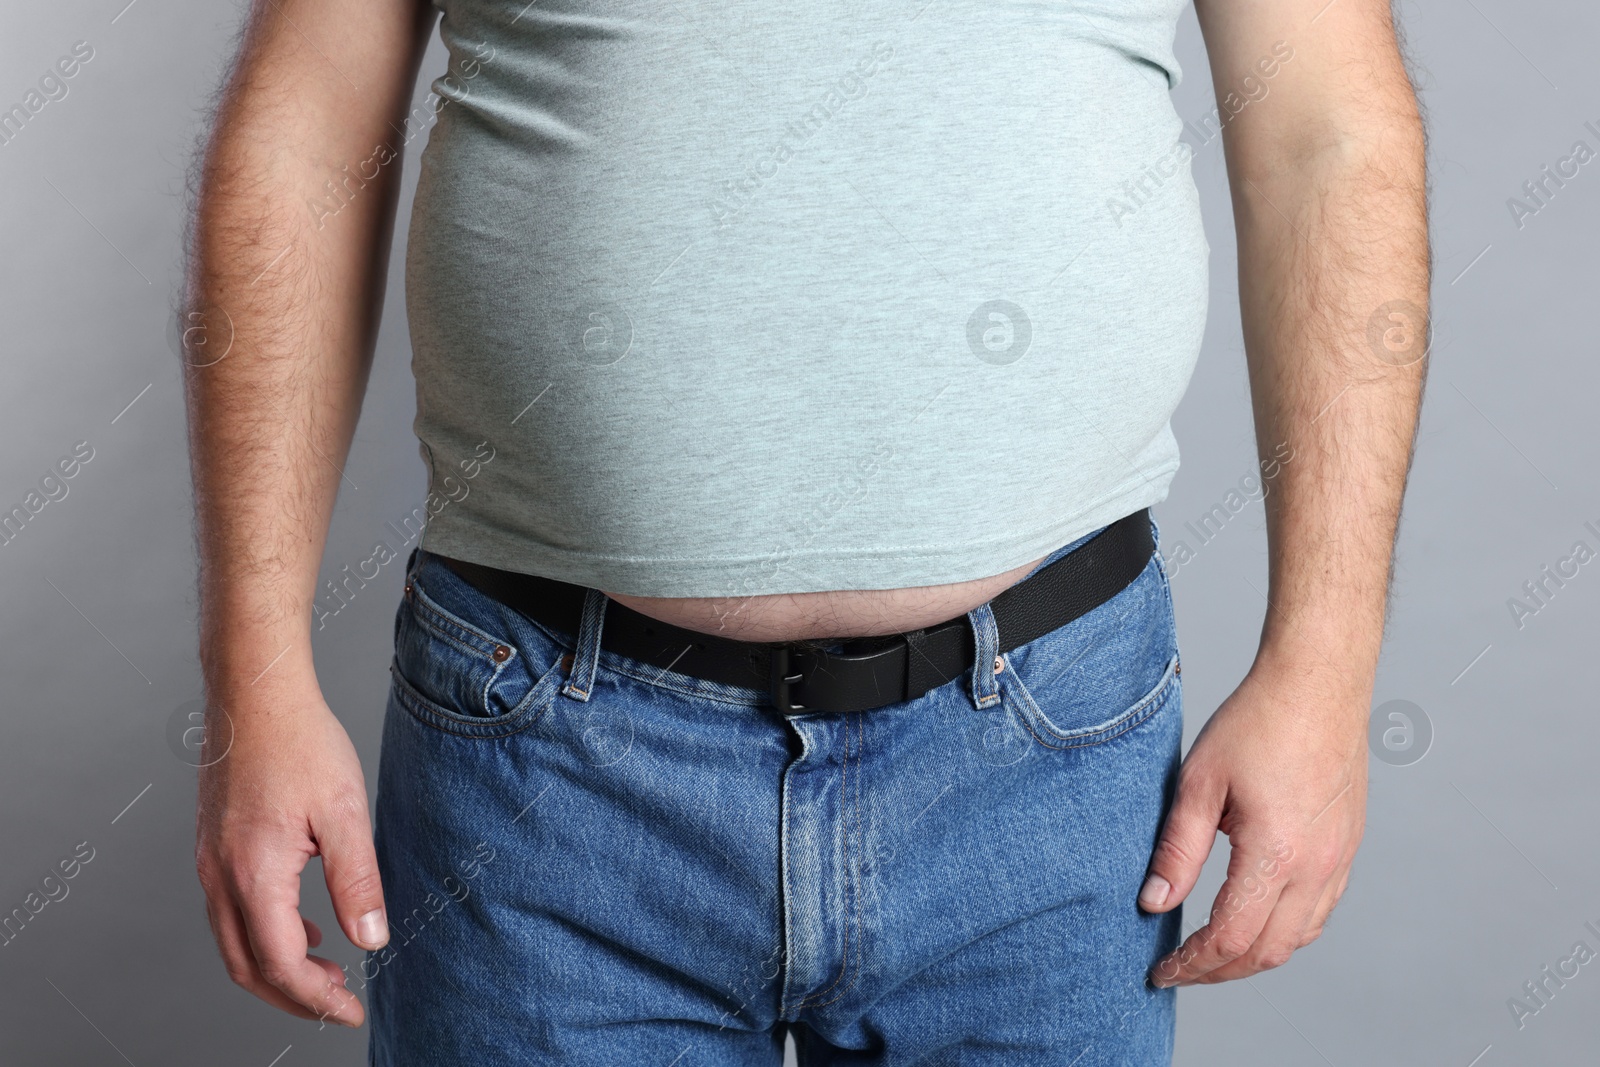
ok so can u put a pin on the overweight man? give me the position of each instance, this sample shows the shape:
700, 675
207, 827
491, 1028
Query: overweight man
785, 646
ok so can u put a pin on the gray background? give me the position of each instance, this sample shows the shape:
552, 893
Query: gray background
1478, 859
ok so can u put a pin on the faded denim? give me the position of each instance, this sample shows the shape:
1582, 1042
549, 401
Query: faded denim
589, 861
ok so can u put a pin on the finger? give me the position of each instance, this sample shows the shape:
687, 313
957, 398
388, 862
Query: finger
313, 933
227, 927
1186, 840
1277, 941
277, 939
1248, 894
337, 974
350, 866
341, 1005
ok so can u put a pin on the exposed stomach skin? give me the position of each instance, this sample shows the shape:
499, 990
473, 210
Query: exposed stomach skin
837, 614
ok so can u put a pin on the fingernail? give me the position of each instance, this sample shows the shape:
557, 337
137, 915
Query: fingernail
1156, 973
371, 928
1155, 892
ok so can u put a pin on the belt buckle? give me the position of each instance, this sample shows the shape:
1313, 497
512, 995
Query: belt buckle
782, 680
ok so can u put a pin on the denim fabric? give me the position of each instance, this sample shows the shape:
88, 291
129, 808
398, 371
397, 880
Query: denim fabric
589, 861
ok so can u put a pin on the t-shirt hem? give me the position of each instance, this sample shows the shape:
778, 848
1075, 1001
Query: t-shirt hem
801, 571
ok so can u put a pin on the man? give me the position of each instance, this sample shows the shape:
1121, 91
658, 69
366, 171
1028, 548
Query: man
788, 648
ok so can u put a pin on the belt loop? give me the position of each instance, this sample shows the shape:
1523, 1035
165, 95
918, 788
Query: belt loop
986, 637
581, 682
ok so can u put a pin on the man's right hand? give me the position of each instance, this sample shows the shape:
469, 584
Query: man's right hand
290, 787
297, 296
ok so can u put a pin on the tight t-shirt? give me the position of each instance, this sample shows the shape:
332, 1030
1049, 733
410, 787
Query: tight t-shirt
746, 297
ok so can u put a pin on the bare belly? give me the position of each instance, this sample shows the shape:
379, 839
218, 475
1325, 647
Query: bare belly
813, 616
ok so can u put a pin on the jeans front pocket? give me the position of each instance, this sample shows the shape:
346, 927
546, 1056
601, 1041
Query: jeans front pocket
1102, 674
467, 664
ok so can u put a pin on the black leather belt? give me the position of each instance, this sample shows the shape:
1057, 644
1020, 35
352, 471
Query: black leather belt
868, 672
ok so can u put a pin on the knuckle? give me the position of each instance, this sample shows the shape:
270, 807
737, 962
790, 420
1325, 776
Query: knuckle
250, 872
247, 879
1273, 849
362, 884
1171, 853
209, 874
1231, 944
276, 975
1326, 863
1197, 780
1228, 904
1271, 958
348, 804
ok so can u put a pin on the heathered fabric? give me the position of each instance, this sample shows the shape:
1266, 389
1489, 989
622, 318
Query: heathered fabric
751, 297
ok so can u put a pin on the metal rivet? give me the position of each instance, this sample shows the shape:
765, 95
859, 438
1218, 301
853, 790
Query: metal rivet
408, 589
501, 653
999, 665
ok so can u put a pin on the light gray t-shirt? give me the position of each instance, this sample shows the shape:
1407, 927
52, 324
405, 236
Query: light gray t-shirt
753, 297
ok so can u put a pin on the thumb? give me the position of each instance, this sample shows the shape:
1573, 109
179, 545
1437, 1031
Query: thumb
350, 865
1186, 840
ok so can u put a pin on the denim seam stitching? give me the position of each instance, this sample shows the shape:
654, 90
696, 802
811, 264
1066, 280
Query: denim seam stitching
786, 897
667, 680
590, 659
439, 622
425, 713
442, 719
1137, 711
1144, 709
844, 967
554, 636
466, 636
861, 739
855, 974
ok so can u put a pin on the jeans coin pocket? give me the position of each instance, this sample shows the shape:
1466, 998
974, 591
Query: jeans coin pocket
465, 662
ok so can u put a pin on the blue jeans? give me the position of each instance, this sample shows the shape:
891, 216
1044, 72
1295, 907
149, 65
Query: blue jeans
590, 861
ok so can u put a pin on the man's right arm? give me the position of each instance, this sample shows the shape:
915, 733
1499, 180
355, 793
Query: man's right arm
283, 296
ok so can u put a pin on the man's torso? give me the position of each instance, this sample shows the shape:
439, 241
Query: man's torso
783, 321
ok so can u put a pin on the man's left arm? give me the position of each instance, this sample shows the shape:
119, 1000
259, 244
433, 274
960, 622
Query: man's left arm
1325, 160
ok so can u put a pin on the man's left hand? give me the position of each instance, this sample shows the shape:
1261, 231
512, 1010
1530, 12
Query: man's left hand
1281, 769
